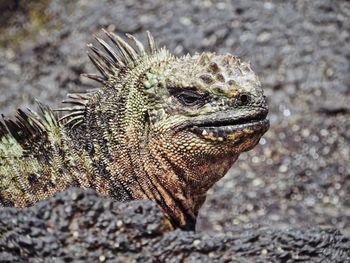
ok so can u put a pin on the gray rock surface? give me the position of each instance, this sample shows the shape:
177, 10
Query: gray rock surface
79, 226
299, 175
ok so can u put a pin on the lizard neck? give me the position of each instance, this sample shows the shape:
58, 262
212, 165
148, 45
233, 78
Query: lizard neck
178, 185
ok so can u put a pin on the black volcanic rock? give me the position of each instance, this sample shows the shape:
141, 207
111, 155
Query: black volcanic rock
80, 226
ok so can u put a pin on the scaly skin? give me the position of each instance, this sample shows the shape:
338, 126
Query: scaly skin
160, 128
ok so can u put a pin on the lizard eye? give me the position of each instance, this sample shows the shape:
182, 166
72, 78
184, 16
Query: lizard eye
190, 97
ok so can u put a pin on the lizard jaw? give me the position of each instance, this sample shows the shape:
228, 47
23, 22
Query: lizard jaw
231, 132
232, 127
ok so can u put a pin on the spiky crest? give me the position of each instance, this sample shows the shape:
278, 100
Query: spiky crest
112, 62
29, 130
115, 60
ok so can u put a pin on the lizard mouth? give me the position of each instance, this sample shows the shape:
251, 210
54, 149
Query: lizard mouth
232, 126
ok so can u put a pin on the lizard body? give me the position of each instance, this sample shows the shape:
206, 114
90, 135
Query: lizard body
160, 128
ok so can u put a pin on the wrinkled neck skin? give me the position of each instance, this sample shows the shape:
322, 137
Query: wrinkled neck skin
179, 186
191, 194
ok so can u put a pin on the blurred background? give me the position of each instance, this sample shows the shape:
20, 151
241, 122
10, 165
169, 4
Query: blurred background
299, 174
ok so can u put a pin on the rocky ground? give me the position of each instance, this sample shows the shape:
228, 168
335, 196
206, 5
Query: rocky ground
299, 175
79, 226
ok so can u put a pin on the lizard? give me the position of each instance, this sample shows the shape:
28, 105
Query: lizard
159, 127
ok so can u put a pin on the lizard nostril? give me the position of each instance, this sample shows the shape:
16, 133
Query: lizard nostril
244, 99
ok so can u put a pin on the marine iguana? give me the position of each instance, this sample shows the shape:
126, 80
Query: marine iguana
160, 127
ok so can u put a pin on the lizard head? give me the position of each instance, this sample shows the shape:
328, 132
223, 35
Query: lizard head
207, 104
